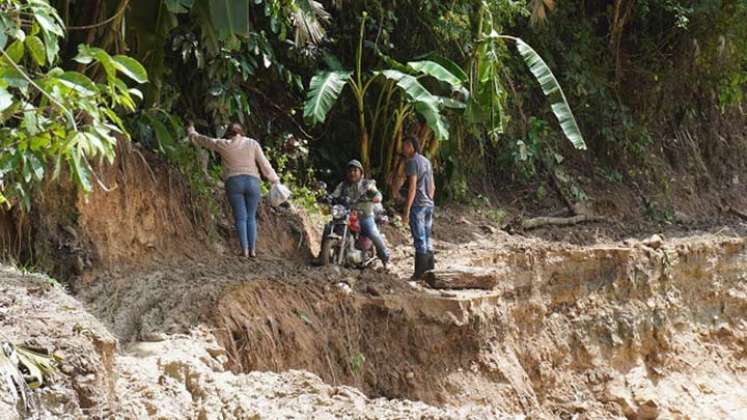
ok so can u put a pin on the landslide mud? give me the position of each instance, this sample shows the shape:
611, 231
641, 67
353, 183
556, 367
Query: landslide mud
173, 326
604, 331
634, 329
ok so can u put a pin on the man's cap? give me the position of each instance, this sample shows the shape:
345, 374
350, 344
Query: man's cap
355, 163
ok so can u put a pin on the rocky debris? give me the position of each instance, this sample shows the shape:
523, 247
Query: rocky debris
39, 314
654, 241
639, 330
179, 378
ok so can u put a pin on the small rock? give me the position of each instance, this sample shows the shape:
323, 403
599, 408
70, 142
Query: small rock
655, 241
649, 410
617, 392
488, 229
154, 336
372, 291
410, 376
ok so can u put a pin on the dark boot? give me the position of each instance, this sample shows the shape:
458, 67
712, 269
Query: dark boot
421, 262
384, 261
431, 262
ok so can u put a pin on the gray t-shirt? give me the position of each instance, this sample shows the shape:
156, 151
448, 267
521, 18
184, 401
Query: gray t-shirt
421, 167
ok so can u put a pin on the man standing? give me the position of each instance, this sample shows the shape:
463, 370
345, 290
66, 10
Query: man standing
421, 189
354, 187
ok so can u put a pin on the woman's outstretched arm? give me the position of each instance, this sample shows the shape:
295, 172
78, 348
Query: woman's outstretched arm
205, 141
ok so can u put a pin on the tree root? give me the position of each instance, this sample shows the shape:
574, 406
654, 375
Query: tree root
742, 215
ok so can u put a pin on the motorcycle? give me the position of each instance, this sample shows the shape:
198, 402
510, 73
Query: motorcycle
342, 242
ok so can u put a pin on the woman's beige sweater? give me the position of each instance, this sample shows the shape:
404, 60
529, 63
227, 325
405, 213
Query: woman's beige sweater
241, 155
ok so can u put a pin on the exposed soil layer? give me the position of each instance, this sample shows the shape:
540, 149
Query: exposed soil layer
636, 328
611, 330
582, 321
179, 377
37, 312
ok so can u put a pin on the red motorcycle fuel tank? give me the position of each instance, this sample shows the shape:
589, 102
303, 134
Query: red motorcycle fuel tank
353, 222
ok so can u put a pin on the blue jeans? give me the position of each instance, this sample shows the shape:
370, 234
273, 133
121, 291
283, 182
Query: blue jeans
371, 231
243, 194
421, 226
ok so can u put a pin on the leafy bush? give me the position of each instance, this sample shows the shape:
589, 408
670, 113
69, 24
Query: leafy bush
52, 116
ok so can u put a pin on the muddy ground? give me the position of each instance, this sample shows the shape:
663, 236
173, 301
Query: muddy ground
638, 328
156, 318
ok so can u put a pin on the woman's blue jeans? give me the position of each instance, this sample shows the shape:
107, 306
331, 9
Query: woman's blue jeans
243, 193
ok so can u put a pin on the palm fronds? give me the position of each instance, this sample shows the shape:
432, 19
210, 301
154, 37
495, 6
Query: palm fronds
308, 19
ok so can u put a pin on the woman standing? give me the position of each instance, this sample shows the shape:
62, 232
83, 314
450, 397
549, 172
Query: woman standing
243, 160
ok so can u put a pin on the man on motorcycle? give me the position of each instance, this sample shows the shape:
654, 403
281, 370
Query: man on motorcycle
354, 187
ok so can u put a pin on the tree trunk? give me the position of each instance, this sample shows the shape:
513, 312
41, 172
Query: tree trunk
364, 150
623, 10
538, 222
461, 278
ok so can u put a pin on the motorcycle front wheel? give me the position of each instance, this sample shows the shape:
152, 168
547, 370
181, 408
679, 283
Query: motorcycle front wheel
329, 251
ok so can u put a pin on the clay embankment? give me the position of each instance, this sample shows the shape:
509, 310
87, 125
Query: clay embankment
610, 330
618, 329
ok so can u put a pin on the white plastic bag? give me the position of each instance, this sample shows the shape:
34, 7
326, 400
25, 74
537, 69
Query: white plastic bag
279, 194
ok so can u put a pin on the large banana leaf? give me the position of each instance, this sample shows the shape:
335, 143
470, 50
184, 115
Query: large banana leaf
433, 118
426, 104
436, 71
324, 89
449, 65
550, 86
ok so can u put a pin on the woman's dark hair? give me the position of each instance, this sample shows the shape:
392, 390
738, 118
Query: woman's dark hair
236, 129
414, 142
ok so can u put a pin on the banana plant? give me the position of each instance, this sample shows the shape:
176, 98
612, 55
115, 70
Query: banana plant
326, 86
487, 94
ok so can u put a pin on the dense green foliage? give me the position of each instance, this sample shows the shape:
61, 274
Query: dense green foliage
351, 78
50, 115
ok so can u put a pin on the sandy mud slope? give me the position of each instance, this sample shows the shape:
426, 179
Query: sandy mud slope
37, 312
638, 329
181, 377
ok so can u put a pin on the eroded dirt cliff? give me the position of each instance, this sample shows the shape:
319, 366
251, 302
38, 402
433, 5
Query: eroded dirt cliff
171, 325
638, 329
